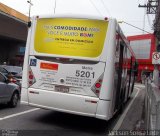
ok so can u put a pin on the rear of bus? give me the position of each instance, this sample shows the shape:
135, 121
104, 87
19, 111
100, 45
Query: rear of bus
64, 66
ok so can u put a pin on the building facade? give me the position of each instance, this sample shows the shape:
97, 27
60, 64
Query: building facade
13, 35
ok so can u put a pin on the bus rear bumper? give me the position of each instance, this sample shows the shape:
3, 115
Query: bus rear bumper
69, 103
103, 110
64, 102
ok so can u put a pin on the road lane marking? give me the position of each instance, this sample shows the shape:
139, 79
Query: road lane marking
140, 85
120, 121
18, 114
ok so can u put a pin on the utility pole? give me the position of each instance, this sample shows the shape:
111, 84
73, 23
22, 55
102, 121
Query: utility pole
151, 6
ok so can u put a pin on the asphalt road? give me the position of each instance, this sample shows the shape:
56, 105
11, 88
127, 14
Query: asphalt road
26, 120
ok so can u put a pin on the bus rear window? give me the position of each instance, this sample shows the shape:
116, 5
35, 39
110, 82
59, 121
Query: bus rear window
70, 37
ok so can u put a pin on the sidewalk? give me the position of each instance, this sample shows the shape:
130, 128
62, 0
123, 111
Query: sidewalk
134, 119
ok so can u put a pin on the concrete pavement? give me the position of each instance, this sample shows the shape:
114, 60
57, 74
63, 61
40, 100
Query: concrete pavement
134, 119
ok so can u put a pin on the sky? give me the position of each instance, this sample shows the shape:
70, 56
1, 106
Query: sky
123, 10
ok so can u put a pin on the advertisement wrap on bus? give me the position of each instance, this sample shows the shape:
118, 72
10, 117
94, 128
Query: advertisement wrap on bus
70, 37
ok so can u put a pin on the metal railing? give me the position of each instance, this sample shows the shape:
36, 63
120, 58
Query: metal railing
152, 106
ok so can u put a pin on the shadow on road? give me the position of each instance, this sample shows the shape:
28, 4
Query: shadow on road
3, 106
68, 124
75, 123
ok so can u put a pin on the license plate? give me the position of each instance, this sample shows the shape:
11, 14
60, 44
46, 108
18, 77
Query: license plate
62, 89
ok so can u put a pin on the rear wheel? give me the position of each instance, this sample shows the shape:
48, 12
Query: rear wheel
14, 100
122, 101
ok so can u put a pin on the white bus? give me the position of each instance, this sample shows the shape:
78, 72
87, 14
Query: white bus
78, 65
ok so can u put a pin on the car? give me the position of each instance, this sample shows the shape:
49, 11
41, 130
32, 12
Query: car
4, 71
18, 77
12, 69
13, 73
9, 91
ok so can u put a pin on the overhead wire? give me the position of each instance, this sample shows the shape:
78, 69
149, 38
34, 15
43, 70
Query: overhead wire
134, 26
105, 7
95, 7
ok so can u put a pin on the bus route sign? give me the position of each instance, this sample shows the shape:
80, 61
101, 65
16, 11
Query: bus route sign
156, 58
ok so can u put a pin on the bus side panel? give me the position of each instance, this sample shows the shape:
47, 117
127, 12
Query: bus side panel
71, 103
104, 108
108, 80
24, 95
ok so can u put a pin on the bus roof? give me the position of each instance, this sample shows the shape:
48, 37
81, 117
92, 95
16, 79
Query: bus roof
80, 16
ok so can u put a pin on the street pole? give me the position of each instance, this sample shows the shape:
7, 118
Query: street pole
55, 7
30, 4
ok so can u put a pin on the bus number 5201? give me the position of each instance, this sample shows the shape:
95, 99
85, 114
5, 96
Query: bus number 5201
86, 74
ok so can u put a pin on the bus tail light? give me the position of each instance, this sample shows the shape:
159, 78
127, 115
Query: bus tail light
31, 78
97, 86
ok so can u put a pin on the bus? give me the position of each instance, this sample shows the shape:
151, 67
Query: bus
77, 64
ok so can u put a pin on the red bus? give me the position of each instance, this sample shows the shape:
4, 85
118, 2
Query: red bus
143, 47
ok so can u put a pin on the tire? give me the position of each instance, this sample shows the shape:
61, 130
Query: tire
14, 100
121, 108
122, 103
